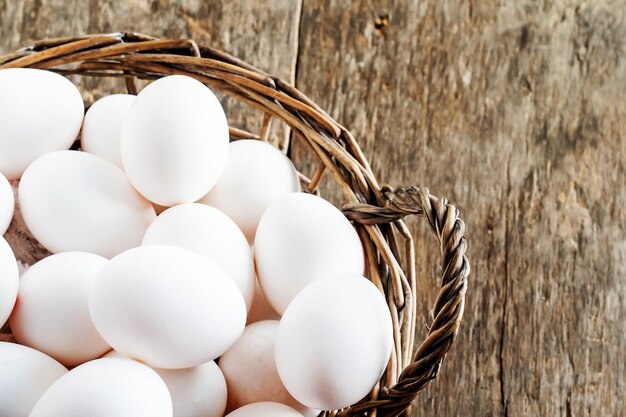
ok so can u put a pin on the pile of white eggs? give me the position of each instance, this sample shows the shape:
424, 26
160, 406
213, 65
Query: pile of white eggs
243, 297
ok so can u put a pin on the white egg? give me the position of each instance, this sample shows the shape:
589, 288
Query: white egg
7, 204
211, 233
106, 388
9, 281
103, 125
75, 201
334, 342
174, 141
167, 306
249, 367
261, 308
25, 374
40, 112
52, 310
196, 392
265, 409
301, 237
256, 175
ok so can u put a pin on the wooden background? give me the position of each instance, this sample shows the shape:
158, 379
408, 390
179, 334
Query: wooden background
514, 110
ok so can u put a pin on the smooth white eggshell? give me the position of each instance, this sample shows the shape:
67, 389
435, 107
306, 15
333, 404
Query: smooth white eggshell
9, 281
76, 201
256, 175
260, 309
167, 306
174, 140
334, 342
7, 204
40, 112
52, 310
249, 367
301, 237
25, 374
211, 233
265, 409
103, 125
105, 388
196, 392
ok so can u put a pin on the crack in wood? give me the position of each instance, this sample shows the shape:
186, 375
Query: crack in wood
504, 402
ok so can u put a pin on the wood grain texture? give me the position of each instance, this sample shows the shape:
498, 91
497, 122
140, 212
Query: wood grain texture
515, 111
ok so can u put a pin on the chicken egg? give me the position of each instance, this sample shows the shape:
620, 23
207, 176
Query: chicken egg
196, 392
52, 310
106, 388
9, 281
211, 233
260, 309
167, 306
301, 237
102, 127
25, 374
174, 141
7, 204
249, 367
256, 175
334, 341
265, 409
40, 112
76, 201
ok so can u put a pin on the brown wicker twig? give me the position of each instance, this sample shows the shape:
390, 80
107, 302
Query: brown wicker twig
377, 212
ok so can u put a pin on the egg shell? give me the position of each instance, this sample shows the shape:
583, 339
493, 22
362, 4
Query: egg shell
76, 201
249, 367
52, 310
174, 141
265, 409
7, 204
105, 388
260, 309
211, 233
334, 342
301, 237
256, 175
9, 281
102, 127
167, 306
40, 112
196, 392
25, 374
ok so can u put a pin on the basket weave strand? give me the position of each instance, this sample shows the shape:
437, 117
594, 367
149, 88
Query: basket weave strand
376, 211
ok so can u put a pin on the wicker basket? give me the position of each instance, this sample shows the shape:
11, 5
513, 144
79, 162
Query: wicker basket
376, 211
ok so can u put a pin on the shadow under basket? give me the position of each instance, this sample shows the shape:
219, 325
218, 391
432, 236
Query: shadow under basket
376, 211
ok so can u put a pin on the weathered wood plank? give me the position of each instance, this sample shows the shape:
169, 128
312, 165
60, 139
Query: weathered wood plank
516, 111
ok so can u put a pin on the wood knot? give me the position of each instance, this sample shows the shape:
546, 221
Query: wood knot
381, 22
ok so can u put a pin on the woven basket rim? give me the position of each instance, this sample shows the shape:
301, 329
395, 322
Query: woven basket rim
376, 211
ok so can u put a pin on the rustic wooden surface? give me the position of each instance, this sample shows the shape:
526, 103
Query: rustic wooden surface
516, 111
